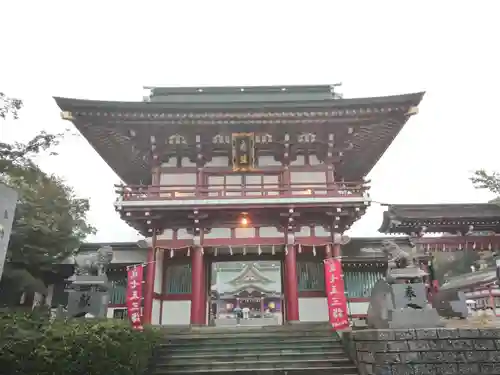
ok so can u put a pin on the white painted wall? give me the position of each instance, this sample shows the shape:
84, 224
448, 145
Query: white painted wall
268, 161
158, 271
358, 308
316, 309
219, 233
305, 231
244, 232
179, 183
155, 314
321, 232
270, 232
313, 309
182, 234
111, 310
218, 161
167, 234
176, 313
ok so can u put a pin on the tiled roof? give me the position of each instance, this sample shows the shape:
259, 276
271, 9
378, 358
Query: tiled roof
121, 132
446, 218
471, 279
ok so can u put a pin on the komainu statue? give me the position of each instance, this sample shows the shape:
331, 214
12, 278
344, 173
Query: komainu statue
400, 263
93, 264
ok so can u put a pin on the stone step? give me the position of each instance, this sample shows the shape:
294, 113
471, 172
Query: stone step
219, 329
255, 357
213, 342
241, 329
252, 348
261, 365
243, 352
329, 370
250, 334
270, 350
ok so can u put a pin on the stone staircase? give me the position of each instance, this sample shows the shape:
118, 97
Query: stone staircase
297, 349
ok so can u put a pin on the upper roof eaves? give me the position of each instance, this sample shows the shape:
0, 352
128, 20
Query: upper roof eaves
449, 211
67, 104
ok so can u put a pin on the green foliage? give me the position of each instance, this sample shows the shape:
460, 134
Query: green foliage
485, 180
20, 155
50, 221
49, 225
32, 345
9, 106
451, 264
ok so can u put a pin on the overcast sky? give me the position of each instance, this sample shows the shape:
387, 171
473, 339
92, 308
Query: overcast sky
108, 50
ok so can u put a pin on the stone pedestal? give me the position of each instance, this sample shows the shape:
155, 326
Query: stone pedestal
88, 295
401, 305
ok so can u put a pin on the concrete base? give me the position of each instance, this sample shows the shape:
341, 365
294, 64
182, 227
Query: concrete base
412, 318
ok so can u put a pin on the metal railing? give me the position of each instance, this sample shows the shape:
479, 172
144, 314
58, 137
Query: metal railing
271, 190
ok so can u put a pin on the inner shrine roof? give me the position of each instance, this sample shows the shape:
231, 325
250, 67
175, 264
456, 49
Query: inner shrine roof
471, 279
360, 249
266, 279
127, 135
441, 218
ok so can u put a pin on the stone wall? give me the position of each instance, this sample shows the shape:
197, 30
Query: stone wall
425, 351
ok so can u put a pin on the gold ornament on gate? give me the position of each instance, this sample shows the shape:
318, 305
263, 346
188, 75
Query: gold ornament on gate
243, 151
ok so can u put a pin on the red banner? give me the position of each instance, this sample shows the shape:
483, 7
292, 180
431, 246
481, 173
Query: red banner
134, 296
335, 292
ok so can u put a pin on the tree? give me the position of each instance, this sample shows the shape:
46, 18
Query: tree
451, 264
485, 180
9, 106
50, 221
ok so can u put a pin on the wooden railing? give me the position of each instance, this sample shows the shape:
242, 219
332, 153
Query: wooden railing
186, 192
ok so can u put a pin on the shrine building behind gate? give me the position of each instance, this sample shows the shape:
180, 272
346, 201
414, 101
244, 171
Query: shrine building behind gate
243, 174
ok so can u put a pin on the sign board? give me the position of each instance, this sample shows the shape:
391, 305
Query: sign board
8, 201
243, 151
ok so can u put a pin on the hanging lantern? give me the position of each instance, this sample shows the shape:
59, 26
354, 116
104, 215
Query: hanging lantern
271, 305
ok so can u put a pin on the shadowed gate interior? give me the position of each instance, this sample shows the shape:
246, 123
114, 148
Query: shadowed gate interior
253, 285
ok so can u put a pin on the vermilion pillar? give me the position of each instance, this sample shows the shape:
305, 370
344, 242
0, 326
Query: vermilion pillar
328, 251
292, 289
196, 286
150, 281
337, 251
203, 297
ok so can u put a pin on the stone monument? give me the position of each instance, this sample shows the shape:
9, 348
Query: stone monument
8, 202
88, 287
400, 300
